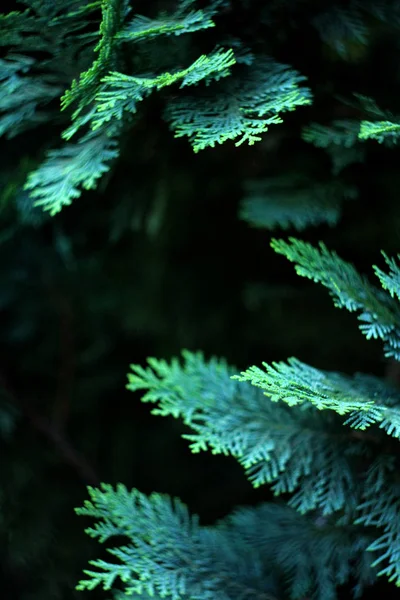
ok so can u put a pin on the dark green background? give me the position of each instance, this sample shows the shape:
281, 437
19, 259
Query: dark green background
154, 261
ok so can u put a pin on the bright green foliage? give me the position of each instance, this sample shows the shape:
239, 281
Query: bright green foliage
128, 65
293, 202
121, 93
143, 520
83, 88
103, 95
83, 92
293, 450
168, 554
243, 106
298, 384
381, 508
343, 138
293, 436
183, 20
381, 131
391, 281
58, 180
30, 85
379, 313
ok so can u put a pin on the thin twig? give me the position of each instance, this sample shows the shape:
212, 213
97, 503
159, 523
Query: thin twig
70, 455
64, 447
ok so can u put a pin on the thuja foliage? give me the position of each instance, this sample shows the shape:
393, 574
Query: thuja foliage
104, 60
292, 426
117, 117
129, 65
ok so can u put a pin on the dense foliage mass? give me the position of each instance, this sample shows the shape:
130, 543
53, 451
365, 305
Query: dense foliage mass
148, 150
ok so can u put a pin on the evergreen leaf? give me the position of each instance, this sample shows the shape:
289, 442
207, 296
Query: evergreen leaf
381, 131
83, 91
244, 106
175, 24
293, 450
379, 314
67, 170
391, 281
256, 552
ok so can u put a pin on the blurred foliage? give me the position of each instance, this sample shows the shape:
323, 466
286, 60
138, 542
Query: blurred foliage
156, 259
